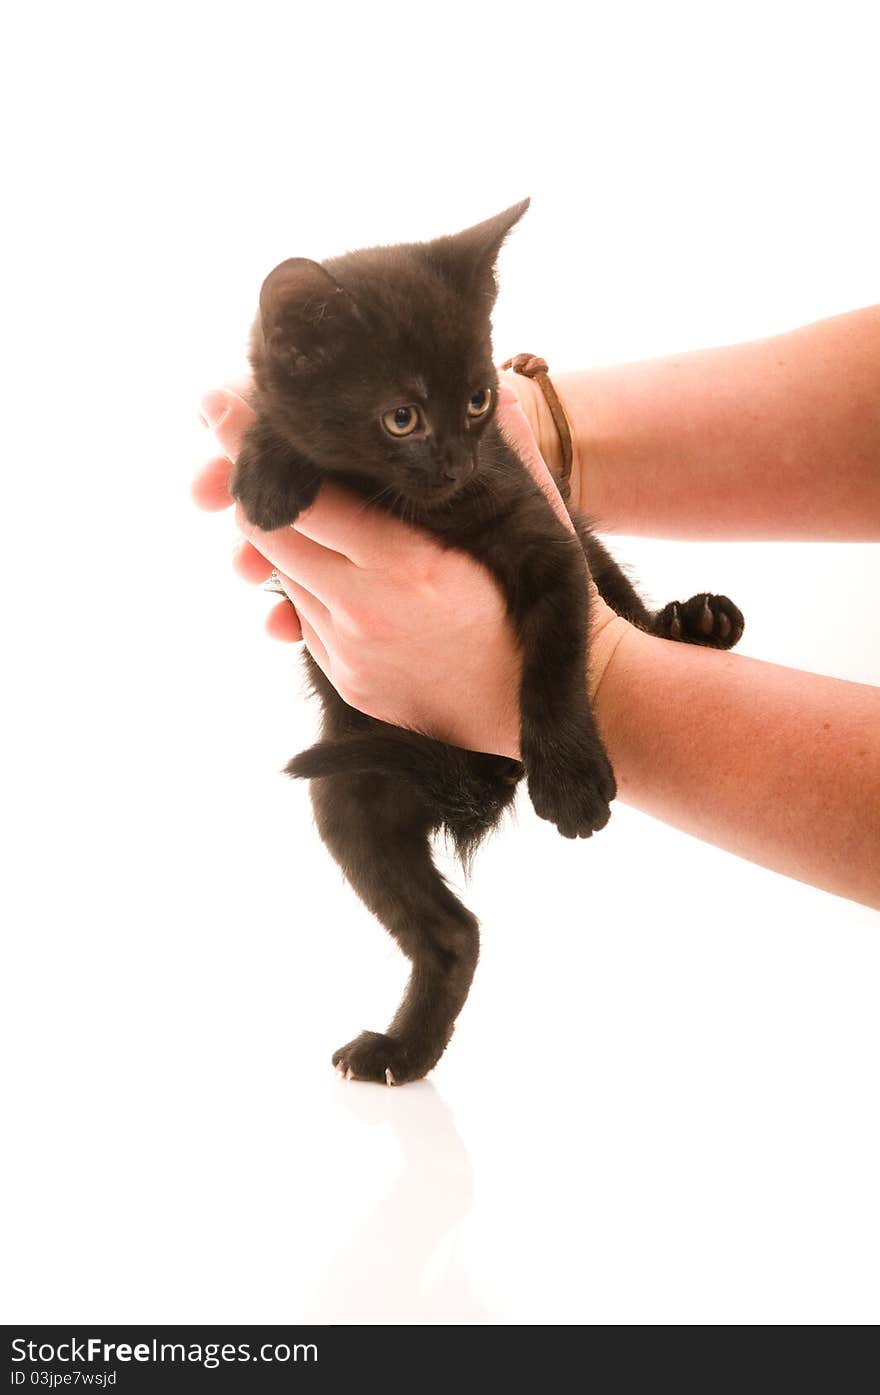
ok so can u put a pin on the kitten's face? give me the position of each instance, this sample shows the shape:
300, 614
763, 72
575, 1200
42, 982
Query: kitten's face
379, 364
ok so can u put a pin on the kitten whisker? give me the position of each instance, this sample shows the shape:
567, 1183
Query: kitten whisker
375, 498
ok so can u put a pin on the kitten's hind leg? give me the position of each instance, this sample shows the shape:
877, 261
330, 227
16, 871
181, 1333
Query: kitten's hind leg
705, 619
378, 830
612, 582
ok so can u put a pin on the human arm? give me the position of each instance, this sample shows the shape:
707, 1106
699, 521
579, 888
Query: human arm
779, 766
774, 439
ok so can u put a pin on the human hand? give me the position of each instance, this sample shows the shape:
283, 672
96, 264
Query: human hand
405, 630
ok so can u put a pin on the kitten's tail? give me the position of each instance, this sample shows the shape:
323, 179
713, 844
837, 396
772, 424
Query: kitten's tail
409, 755
465, 791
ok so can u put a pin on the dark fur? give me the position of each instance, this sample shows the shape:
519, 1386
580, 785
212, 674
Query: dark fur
334, 347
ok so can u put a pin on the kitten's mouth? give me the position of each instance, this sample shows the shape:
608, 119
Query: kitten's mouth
433, 498
439, 491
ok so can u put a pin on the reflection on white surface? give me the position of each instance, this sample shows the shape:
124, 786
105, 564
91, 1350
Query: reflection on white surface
401, 1263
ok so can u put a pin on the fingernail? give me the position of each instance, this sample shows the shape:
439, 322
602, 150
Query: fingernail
214, 406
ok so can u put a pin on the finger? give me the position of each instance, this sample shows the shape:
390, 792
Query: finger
228, 416
309, 608
325, 573
346, 524
315, 646
210, 486
242, 384
250, 564
518, 433
282, 623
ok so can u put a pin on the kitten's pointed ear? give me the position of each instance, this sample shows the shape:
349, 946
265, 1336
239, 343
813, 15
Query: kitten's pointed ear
469, 257
302, 308
482, 243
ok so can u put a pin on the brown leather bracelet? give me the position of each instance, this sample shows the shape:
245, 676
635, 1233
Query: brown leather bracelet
530, 366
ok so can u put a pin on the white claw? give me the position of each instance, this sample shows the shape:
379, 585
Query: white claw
389, 1078
349, 1074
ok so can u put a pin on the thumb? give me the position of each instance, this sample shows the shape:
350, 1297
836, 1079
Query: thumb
228, 416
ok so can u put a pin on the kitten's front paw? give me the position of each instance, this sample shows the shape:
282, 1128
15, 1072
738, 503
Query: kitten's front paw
267, 505
373, 1056
710, 620
574, 790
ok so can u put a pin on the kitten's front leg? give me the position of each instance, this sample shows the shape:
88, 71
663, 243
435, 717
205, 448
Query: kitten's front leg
570, 779
271, 480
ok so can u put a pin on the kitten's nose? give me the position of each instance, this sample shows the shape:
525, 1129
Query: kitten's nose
456, 466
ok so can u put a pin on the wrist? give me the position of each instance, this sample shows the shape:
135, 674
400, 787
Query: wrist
586, 475
617, 654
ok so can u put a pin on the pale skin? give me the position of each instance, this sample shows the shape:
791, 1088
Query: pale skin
775, 439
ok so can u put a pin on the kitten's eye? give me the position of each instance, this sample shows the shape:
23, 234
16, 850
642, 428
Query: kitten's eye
480, 402
401, 421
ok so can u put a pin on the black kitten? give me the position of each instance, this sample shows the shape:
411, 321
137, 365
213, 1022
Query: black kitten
376, 368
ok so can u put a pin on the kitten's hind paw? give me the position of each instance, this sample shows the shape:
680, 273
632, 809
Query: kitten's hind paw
578, 800
709, 620
372, 1056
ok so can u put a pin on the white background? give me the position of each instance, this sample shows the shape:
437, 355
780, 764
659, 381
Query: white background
661, 1102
